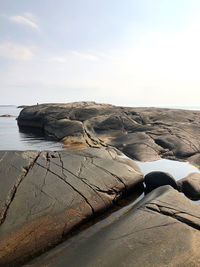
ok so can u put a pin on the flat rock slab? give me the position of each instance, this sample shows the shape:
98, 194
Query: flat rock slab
44, 195
140, 133
161, 230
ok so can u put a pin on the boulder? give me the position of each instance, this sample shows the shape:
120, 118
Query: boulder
156, 179
44, 195
190, 185
140, 133
160, 230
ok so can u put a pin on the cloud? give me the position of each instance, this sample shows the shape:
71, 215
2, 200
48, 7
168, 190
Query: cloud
73, 56
15, 51
58, 59
27, 19
86, 56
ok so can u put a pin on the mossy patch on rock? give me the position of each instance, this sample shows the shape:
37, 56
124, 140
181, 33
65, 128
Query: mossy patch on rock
74, 142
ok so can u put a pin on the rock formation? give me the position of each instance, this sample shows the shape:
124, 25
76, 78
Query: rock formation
47, 194
161, 230
44, 195
140, 133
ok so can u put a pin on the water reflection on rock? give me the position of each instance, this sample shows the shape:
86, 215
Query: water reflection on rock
34, 138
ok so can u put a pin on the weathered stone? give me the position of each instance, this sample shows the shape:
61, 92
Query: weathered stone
13, 168
46, 194
156, 179
64, 127
141, 133
161, 230
190, 185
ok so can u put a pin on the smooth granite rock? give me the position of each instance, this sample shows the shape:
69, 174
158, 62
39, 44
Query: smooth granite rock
44, 195
140, 133
190, 185
156, 179
160, 230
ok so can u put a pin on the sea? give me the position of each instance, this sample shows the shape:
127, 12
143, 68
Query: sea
13, 138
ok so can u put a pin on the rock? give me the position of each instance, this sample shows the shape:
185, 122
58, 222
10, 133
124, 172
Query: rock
6, 116
140, 133
64, 127
190, 185
22, 106
12, 175
160, 230
44, 195
156, 179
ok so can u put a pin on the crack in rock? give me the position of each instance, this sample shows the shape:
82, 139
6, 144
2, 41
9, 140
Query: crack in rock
110, 173
75, 189
96, 142
143, 229
176, 214
83, 180
15, 187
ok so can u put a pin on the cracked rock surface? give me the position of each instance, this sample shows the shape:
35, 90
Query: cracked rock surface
160, 230
46, 194
141, 133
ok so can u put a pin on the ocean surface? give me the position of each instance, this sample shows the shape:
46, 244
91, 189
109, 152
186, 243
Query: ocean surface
12, 138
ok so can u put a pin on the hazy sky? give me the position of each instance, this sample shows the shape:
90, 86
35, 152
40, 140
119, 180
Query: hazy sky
133, 52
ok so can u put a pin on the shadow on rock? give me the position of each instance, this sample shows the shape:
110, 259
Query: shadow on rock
31, 132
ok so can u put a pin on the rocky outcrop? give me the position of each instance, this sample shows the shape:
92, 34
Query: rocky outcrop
140, 133
190, 185
44, 195
161, 230
6, 116
22, 106
156, 179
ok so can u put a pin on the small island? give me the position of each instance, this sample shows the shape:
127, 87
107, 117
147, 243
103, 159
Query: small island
6, 116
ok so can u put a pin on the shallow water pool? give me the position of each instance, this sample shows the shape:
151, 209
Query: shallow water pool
176, 168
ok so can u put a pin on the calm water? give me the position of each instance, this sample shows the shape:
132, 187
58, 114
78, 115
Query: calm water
177, 169
11, 138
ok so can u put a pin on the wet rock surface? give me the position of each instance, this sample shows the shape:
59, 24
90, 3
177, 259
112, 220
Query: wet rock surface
160, 230
190, 185
46, 194
156, 179
140, 133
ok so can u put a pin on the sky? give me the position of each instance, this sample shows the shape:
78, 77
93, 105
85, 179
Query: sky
128, 53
